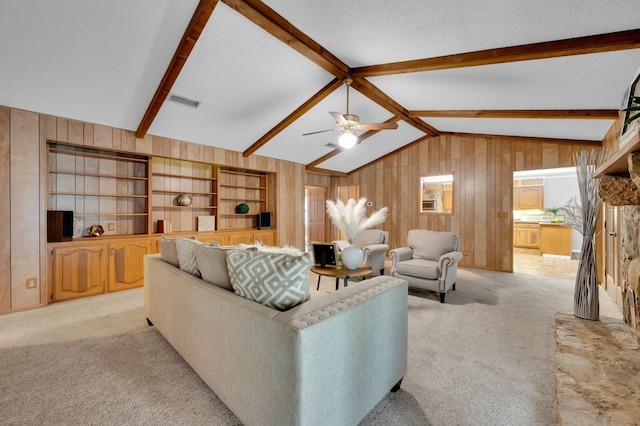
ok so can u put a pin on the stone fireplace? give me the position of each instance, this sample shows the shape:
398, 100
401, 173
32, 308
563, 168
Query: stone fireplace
624, 191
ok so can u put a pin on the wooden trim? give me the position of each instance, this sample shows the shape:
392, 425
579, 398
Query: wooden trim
580, 114
273, 23
198, 21
326, 172
523, 138
299, 112
610, 42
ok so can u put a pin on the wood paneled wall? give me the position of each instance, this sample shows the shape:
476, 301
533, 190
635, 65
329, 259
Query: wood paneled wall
483, 169
23, 137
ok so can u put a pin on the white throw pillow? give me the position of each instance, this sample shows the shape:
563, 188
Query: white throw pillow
277, 280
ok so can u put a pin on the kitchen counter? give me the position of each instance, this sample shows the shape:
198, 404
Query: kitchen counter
555, 238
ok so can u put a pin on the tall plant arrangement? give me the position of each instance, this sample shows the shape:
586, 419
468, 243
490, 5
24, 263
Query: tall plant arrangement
586, 303
351, 218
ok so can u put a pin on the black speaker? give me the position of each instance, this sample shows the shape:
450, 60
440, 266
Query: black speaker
264, 220
59, 225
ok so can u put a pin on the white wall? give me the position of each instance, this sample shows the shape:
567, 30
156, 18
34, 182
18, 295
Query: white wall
557, 192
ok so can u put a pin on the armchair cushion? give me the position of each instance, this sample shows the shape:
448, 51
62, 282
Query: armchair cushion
369, 237
431, 244
422, 268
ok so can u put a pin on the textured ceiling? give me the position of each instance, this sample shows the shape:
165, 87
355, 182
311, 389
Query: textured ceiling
103, 61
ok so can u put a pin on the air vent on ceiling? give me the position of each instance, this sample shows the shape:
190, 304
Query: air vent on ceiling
184, 101
331, 145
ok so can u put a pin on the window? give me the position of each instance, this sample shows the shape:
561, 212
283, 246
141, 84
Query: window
436, 194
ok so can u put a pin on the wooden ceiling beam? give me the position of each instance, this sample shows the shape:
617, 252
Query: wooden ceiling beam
273, 23
199, 20
378, 96
299, 112
551, 49
524, 138
579, 114
312, 166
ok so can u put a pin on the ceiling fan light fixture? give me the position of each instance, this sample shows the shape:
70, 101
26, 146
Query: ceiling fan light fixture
348, 139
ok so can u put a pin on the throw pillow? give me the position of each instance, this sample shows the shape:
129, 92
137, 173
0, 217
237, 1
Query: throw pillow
212, 263
168, 251
186, 250
276, 280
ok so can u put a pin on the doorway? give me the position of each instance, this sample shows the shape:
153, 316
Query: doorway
315, 200
539, 197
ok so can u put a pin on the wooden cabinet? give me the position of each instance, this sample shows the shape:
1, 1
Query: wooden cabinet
555, 239
266, 238
100, 187
526, 235
172, 178
126, 267
241, 187
78, 271
528, 194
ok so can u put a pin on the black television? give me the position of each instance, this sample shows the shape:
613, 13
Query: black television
324, 254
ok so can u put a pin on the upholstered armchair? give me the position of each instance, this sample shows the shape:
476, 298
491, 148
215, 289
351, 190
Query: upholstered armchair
430, 262
374, 246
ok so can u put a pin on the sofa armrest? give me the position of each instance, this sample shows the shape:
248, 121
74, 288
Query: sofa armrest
448, 264
449, 259
398, 255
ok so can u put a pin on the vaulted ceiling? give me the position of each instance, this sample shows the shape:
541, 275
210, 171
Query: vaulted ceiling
267, 72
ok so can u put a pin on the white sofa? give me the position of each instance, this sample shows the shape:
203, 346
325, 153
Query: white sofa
327, 361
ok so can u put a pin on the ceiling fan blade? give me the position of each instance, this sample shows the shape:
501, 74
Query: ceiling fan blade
320, 131
338, 117
378, 126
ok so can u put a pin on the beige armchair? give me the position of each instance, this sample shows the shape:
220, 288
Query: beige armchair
374, 246
430, 262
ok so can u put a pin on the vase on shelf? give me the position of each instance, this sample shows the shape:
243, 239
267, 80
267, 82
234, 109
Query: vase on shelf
352, 257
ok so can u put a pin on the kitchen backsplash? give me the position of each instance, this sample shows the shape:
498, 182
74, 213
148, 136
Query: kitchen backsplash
536, 217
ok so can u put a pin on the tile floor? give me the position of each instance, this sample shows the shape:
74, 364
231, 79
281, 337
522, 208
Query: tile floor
531, 262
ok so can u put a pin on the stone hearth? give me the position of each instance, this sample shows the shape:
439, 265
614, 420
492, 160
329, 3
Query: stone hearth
597, 372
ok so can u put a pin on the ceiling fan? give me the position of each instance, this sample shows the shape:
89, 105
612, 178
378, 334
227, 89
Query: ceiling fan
349, 123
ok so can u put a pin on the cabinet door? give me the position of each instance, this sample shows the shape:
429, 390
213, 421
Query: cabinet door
266, 238
530, 197
78, 272
221, 239
241, 238
527, 236
126, 267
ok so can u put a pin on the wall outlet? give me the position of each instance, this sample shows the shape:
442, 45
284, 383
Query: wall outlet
111, 226
32, 283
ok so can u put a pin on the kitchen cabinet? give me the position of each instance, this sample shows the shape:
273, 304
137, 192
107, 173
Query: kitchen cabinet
526, 235
528, 194
555, 239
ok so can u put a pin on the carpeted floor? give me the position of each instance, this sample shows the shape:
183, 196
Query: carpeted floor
486, 357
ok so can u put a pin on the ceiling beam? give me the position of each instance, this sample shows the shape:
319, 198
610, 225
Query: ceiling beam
579, 114
378, 96
312, 166
200, 17
551, 49
299, 112
273, 23
327, 172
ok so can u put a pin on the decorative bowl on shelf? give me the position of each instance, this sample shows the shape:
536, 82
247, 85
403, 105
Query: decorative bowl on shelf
242, 208
184, 200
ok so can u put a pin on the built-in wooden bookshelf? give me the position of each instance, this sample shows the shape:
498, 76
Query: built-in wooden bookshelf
238, 187
172, 178
100, 187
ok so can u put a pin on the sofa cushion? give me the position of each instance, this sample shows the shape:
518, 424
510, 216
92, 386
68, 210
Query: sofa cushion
276, 280
431, 244
168, 251
369, 237
186, 250
212, 263
422, 268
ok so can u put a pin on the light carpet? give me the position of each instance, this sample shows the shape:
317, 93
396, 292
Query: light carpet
486, 357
